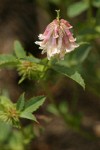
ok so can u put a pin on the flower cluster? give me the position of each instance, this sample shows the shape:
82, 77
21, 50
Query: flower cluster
57, 39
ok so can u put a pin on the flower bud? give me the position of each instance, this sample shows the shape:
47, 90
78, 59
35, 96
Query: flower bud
29, 70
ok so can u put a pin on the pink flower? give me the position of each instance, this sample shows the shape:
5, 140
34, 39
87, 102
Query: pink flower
57, 39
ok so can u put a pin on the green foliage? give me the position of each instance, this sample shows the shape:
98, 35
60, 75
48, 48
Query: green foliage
28, 115
77, 8
19, 50
11, 112
5, 130
96, 3
62, 110
77, 57
56, 110
7, 60
33, 68
33, 59
21, 102
34, 103
77, 77
63, 107
57, 2
52, 109
31, 106
71, 73
16, 139
9, 137
29, 69
8, 112
28, 66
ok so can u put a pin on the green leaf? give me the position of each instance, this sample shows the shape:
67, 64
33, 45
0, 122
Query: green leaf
32, 59
96, 3
5, 101
71, 73
81, 53
28, 115
78, 78
21, 102
7, 59
34, 103
19, 50
76, 57
77, 8
22, 79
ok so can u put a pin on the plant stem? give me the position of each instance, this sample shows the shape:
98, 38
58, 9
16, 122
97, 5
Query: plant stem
58, 14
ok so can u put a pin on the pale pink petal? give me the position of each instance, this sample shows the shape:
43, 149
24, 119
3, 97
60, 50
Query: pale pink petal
57, 39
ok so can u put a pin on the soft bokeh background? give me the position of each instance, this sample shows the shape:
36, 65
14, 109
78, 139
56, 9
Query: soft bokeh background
24, 20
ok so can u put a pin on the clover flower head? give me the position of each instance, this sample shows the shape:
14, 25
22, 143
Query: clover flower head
57, 39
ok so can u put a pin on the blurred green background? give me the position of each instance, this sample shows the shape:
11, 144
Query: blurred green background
80, 129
